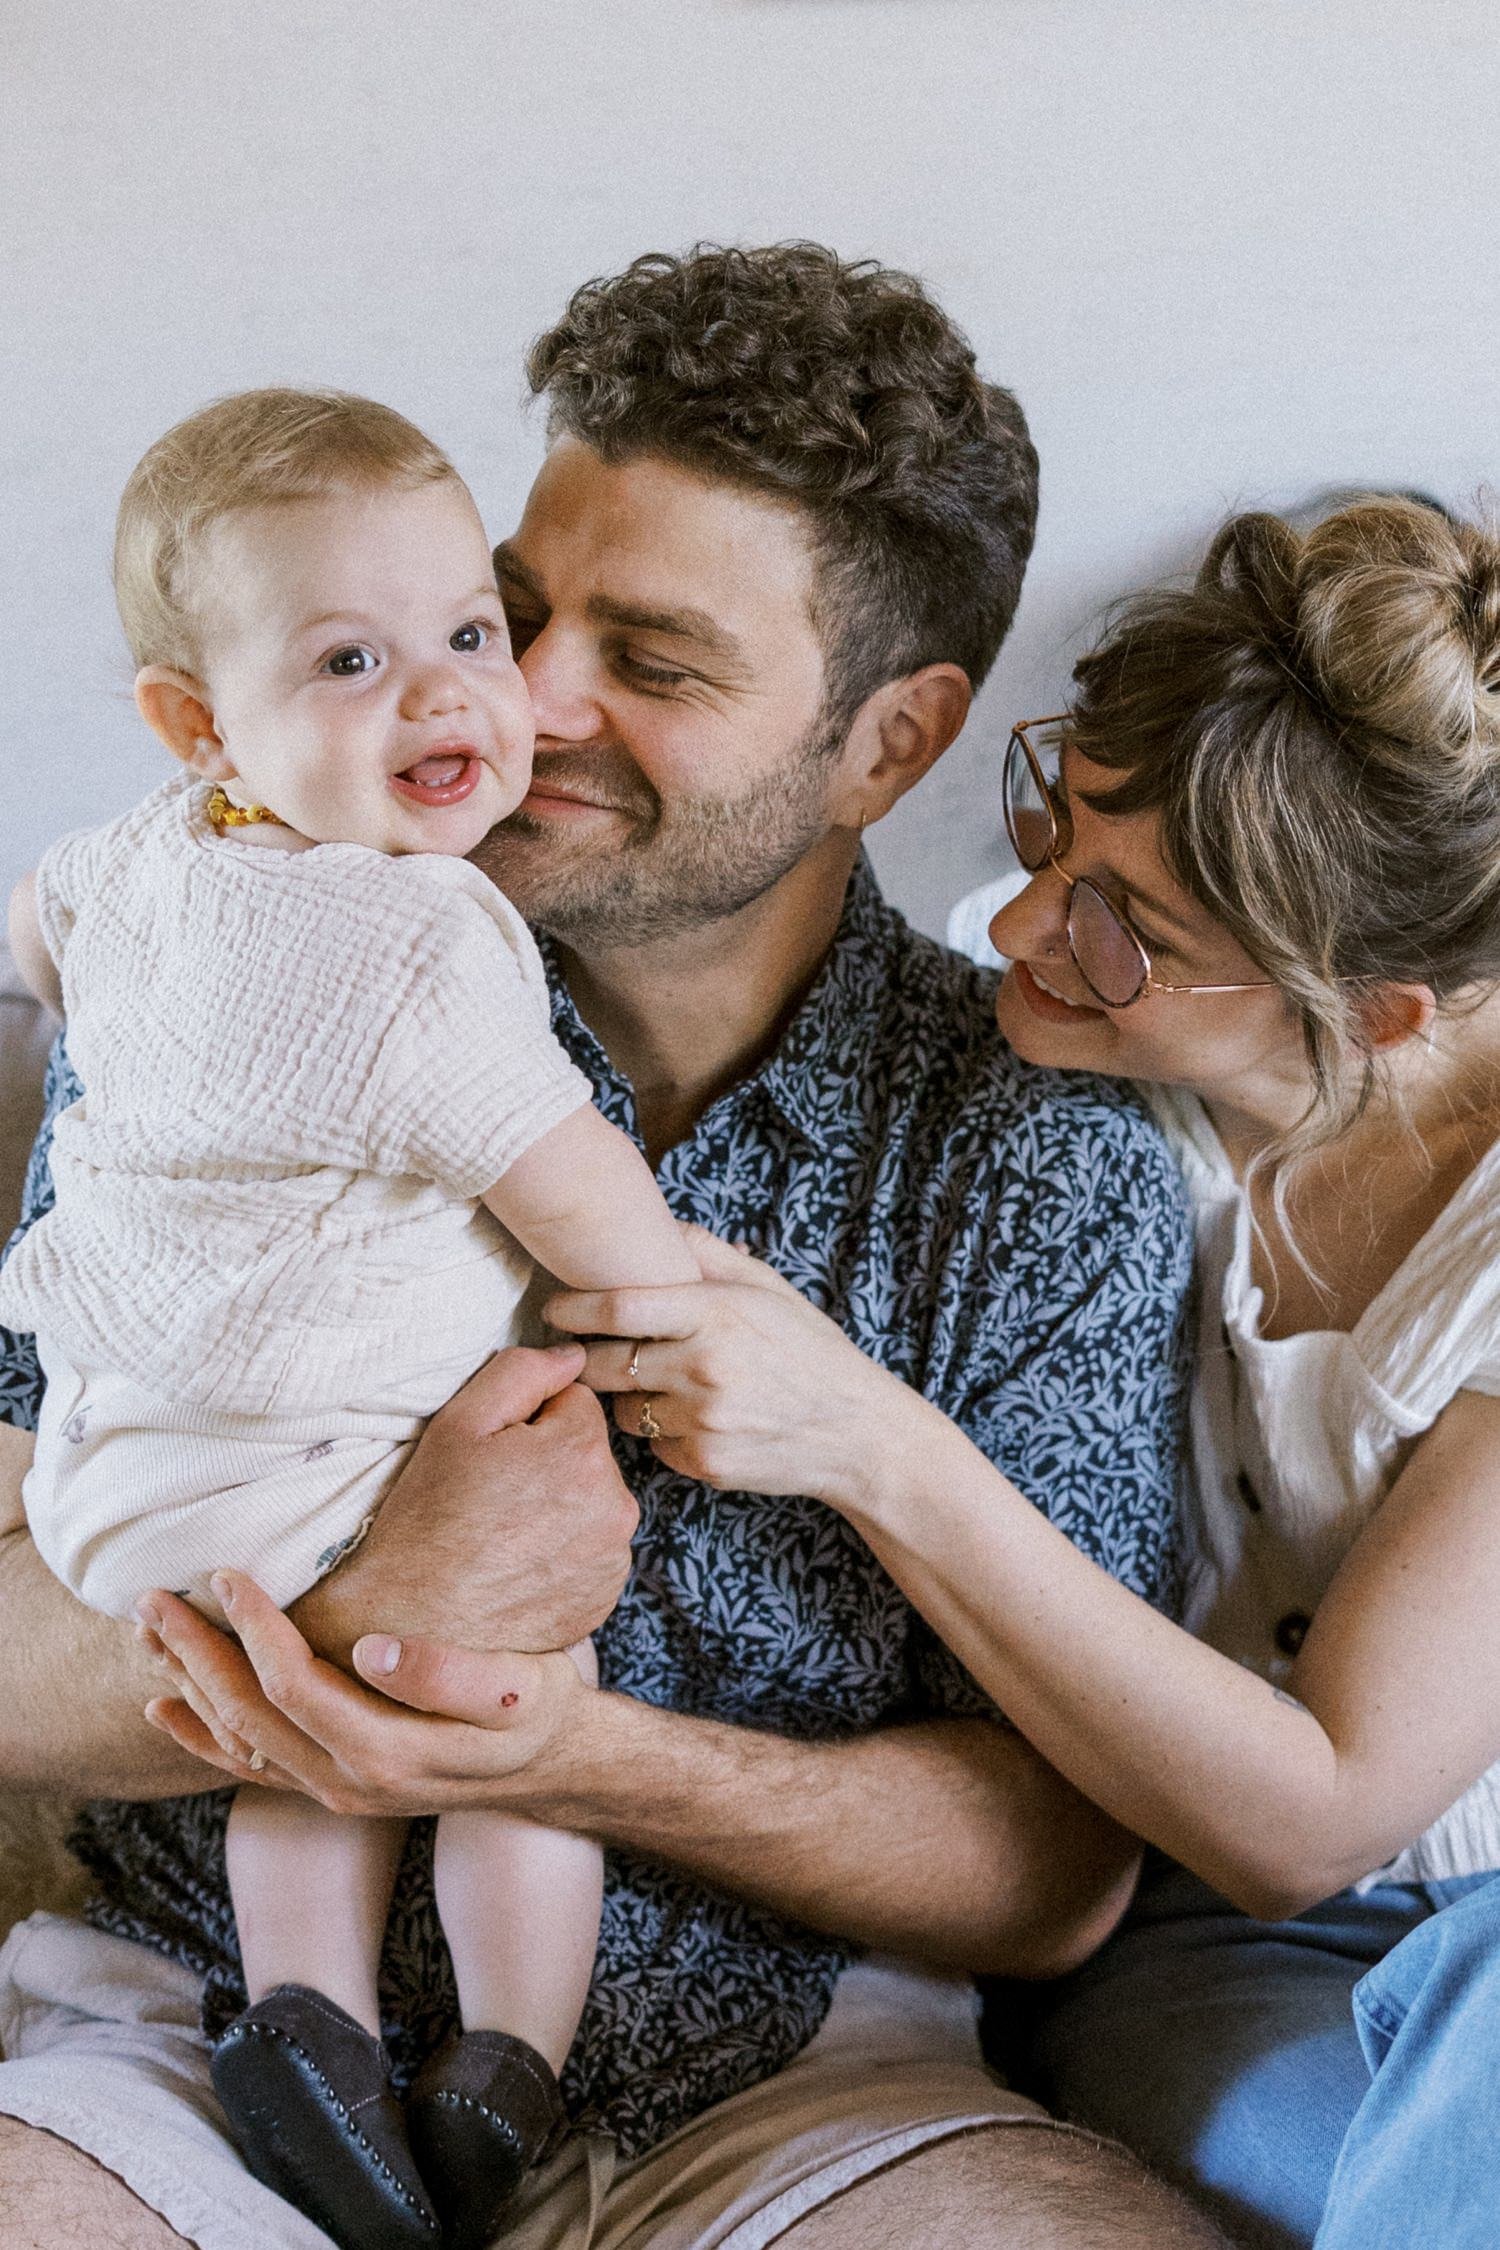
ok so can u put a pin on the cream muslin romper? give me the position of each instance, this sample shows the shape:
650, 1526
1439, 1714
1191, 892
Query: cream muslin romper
266, 1265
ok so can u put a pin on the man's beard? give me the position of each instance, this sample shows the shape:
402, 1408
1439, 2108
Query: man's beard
674, 868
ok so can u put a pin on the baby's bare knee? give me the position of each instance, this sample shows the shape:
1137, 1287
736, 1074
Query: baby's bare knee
53, 2197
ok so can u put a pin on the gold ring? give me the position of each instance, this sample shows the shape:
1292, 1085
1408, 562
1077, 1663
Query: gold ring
633, 1371
650, 1427
256, 1761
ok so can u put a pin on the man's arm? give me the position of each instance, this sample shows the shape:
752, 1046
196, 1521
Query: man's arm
73, 1685
948, 1839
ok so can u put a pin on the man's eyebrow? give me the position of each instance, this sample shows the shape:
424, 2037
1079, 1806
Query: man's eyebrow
678, 624
508, 564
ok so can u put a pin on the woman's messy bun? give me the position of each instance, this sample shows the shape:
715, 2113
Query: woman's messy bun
1399, 619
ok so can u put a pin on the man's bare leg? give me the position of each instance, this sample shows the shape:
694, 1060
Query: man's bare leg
53, 2197
1008, 2187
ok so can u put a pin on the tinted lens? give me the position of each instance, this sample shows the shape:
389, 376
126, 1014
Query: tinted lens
1028, 815
1106, 952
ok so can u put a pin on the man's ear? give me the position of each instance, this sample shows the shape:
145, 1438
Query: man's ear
175, 707
1394, 1013
898, 732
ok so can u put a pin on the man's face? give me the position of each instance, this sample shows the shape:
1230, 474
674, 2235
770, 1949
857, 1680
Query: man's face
664, 628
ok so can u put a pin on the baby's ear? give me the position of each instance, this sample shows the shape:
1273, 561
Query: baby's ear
175, 707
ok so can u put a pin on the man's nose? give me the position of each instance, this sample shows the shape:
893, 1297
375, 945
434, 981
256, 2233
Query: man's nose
562, 682
433, 691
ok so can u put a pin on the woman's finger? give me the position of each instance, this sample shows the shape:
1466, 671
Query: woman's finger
673, 1313
731, 1261
643, 1363
652, 1415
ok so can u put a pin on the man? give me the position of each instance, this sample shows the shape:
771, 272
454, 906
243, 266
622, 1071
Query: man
775, 545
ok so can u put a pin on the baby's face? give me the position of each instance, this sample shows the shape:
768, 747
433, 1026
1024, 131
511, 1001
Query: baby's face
360, 670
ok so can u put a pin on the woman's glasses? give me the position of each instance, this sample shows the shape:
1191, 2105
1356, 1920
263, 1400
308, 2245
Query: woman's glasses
1106, 951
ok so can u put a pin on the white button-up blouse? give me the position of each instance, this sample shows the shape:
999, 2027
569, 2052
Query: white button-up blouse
1297, 1440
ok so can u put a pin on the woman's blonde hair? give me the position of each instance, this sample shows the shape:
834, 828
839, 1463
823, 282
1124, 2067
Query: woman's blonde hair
1317, 723
252, 450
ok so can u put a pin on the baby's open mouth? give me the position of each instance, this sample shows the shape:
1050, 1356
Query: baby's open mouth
443, 777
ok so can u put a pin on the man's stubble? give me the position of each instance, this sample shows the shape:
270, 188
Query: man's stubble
675, 867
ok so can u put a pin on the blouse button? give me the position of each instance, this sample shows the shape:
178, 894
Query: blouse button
1247, 1493
1291, 1631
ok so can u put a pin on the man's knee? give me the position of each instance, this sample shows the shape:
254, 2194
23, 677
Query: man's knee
53, 2197
1009, 2187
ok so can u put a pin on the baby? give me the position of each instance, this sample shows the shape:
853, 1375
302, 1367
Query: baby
327, 1131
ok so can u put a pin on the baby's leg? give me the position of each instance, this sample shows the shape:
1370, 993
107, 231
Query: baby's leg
311, 1892
520, 1909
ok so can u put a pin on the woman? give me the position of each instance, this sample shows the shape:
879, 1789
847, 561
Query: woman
1266, 882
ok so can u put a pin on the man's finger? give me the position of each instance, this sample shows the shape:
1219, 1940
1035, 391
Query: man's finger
269, 1687
173, 1717
486, 1689
512, 1386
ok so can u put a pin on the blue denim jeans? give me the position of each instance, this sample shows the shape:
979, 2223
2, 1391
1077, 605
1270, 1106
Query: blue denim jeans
1419, 2161
1225, 2051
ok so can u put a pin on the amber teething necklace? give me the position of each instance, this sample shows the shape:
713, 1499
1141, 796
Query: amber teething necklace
225, 814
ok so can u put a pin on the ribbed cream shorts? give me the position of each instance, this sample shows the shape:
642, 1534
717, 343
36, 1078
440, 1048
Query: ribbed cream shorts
103, 2049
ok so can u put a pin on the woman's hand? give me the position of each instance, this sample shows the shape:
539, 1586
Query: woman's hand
738, 1379
477, 1728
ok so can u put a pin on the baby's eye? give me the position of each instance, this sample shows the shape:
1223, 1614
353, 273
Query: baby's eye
470, 638
351, 663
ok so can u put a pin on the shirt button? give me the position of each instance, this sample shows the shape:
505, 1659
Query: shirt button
1247, 1493
1291, 1631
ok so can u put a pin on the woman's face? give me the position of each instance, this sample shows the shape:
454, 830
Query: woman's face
1225, 1046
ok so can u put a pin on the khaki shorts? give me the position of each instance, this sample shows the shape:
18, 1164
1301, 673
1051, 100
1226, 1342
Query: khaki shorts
103, 2049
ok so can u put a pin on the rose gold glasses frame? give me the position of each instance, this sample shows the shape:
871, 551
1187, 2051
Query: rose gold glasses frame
1021, 733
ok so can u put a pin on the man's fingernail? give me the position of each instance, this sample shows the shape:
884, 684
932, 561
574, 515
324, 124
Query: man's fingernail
377, 1652
148, 1613
223, 1591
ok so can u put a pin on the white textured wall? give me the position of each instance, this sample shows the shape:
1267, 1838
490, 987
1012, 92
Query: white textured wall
1226, 250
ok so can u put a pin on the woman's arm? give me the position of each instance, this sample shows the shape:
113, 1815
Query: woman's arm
1278, 1798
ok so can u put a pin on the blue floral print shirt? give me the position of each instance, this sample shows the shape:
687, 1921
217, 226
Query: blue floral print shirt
1011, 1241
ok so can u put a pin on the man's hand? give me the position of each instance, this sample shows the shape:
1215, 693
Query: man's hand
266, 1708
510, 1526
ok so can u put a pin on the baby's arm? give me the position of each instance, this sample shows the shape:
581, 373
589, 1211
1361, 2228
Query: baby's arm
583, 1202
29, 948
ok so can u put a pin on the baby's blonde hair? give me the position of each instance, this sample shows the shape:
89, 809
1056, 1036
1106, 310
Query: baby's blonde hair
252, 450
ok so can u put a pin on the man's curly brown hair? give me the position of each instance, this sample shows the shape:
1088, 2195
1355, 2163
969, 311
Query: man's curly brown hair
840, 388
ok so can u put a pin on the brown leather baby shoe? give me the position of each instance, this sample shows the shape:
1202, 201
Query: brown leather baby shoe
305, 2090
480, 2114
